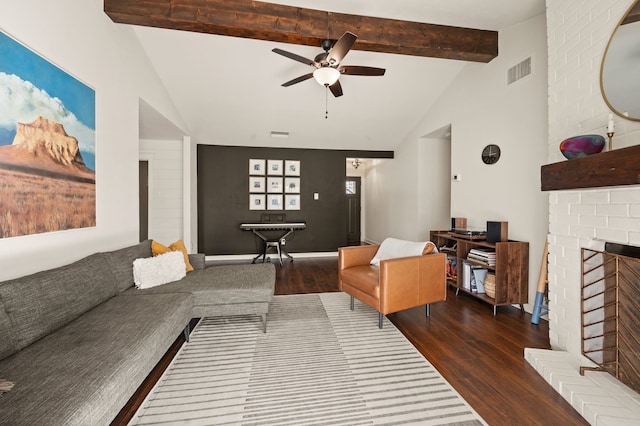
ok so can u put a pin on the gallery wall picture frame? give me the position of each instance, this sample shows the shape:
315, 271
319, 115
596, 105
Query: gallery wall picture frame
292, 185
256, 166
256, 184
256, 201
274, 202
274, 185
292, 168
292, 202
274, 167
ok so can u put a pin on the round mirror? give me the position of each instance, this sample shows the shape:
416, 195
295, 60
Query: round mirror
620, 68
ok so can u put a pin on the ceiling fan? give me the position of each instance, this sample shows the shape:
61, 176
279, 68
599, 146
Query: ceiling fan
327, 64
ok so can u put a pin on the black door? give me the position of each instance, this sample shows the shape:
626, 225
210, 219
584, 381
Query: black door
352, 189
143, 190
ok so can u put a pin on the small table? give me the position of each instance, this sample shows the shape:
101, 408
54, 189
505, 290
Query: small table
288, 228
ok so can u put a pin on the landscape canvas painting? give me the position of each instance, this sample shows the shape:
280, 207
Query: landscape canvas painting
47, 145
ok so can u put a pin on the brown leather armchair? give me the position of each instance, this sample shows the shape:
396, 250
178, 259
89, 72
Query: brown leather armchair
396, 285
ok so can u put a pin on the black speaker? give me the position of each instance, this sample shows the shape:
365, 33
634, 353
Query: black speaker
497, 231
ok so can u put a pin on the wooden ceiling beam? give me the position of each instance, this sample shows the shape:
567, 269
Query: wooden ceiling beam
296, 25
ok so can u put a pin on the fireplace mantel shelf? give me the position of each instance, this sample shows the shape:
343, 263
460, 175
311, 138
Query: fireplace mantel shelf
611, 168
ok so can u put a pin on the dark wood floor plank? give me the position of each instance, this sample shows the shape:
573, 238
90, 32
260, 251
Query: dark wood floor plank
480, 354
317, 275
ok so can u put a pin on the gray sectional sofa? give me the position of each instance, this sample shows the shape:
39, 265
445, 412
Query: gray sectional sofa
78, 340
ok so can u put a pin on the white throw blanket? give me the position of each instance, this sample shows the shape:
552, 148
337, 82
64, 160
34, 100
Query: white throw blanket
158, 270
392, 248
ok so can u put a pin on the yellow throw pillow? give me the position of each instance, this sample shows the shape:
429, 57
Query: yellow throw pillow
158, 248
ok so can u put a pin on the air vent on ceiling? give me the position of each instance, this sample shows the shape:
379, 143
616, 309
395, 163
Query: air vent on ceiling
519, 71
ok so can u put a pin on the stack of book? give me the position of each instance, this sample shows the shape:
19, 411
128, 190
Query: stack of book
473, 277
484, 255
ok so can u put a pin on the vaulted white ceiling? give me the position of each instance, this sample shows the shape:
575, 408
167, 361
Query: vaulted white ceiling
228, 90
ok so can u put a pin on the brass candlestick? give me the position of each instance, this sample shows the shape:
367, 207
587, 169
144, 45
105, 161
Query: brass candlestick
610, 134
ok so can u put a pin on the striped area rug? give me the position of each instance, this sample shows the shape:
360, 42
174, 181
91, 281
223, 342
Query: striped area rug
318, 364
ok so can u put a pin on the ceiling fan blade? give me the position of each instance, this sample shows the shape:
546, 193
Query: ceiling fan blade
341, 48
298, 80
336, 89
294, 57
357, 70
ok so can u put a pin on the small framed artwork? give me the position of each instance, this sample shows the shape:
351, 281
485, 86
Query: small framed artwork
274, 167
274, 184
256, 202
274, 202
256, 184
256, 167
292, 202
292, 168
292, 185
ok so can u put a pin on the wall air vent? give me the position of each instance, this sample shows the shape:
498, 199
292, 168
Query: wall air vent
283, 135
519, 71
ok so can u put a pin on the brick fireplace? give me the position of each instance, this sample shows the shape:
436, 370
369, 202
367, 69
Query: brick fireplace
582, 221
577, 35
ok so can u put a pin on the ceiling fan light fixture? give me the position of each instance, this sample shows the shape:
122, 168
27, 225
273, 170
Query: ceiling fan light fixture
326, 76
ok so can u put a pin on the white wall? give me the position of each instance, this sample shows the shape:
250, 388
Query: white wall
165, 189
434, 201
77, 36
360, 172
481, 109
408, 196
190, 190
391, 195
578, 34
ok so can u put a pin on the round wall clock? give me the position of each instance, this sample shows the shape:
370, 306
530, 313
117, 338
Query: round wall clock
491, 154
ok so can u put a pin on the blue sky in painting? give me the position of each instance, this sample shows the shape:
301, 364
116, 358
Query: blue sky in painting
31, 86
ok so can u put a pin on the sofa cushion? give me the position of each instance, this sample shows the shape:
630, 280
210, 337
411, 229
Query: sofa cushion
197, 260
85, 372
40, 303
121, 262
226, 284
8, 343
364, 277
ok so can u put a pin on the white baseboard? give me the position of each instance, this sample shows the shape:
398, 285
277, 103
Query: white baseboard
251, 256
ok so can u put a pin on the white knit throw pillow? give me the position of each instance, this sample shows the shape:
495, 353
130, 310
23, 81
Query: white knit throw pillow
158, 270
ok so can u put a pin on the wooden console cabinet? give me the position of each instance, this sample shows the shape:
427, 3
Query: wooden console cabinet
511, 269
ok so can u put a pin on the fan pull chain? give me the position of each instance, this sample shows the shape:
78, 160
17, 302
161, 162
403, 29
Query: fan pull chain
326, 103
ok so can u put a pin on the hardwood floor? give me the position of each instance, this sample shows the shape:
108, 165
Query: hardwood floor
317, 275
482, 356
479, 354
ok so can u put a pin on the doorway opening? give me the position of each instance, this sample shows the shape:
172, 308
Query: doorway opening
352, 192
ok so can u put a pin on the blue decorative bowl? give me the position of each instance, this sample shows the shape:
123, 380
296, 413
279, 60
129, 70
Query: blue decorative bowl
581, 146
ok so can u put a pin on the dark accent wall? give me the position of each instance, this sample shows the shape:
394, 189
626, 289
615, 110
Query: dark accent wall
223, 198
